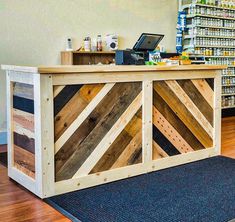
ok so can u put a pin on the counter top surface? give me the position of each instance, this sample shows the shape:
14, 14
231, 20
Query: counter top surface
107, 68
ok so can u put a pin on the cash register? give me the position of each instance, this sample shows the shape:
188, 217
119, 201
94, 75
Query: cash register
146, 43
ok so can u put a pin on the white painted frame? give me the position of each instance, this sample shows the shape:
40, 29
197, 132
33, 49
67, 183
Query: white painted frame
44, 184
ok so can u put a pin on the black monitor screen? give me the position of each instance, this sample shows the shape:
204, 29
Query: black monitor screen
147, 42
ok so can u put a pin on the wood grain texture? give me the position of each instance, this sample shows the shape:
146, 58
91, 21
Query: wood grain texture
183, 113
18, 204
74, 106
24, 142
198, 98
23, 90
64, 96
175, 121
81, 144
26, 105
123, 147
25, 120
24, 160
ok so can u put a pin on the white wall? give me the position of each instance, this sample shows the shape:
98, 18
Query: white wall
33, 32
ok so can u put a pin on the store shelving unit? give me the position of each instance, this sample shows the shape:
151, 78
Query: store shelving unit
211, 32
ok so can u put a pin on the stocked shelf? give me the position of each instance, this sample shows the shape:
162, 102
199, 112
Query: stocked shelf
208, 46
228, 107
210, 16
208, 36
228, 94
208, 6
209, 26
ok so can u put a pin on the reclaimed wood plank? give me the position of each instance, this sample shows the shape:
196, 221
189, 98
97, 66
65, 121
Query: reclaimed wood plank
26, 105
24, 119
23, 90
110, 137
205, 90
64, 96
24, 158
74, 107
175, 121
82, 116
191, 107
183, 113
170, 133
113, 153
24, 142
164, 143
198, 99
158, 152
103, 118
135, 143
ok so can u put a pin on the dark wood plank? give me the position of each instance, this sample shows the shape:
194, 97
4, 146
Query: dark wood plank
136, 157
175, 121
26, 105
211, 83
24, 142
64, 96
197, 99
164, 143
183, 113
109, 109
114, 151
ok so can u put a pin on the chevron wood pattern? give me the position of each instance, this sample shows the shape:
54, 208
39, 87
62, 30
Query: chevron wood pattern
182, 116
23, 128
97, 127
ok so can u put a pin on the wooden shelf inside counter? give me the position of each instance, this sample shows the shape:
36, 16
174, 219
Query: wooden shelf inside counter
86, 58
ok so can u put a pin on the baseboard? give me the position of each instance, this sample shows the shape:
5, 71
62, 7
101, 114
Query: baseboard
3, 138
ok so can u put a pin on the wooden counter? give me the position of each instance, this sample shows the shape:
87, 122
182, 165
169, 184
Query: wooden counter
73, 127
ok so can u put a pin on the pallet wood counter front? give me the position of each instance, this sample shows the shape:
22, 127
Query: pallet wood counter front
73, 127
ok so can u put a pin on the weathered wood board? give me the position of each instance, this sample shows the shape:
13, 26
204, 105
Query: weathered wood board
23, 128
113, 113
182, 116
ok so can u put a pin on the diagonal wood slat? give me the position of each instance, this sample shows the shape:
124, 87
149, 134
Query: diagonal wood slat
83, 115
170, 133
110, 137
158, 152
183, 113
82, 143
205, 90
175, 121
193, 109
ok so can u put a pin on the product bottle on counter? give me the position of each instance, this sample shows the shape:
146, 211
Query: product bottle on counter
99, 43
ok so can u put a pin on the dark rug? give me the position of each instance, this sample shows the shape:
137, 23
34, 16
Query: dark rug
203, 191
3, 159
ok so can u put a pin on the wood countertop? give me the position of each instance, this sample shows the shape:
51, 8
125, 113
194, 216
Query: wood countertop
107, 68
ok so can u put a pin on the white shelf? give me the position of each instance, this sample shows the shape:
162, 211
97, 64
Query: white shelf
208, 26
228, 94
228, 76
233, 84
208, 46
208, 6
210, 16
208, 36
228, 107
219, 56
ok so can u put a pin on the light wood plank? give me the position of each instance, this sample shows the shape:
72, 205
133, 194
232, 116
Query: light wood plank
57, 90
110, 137
170, 133
184, 98
160, 152
206, 91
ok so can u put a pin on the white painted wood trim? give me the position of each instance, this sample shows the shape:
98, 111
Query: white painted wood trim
84, 114
130, 171
147, 103
109, 138
65, 79
44, 131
